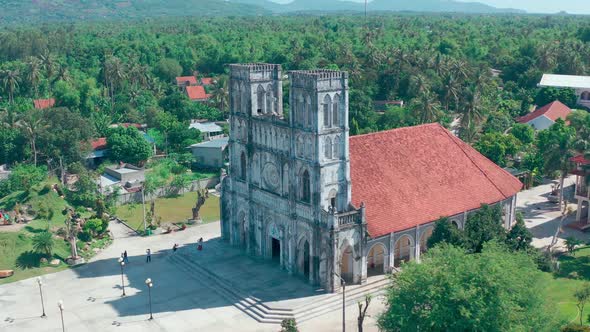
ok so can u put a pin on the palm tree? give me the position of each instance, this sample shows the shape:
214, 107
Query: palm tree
63, 74
472, 108
419, 84
31, 125
426, 107
221, 96
48, 64
43, 243
34, 74
11, 79
451, 88
114, 72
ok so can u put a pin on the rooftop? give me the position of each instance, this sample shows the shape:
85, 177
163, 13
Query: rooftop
186, 79
214, 143
555, 110
565, 81
197, 92
206, 127
415, 175
44, 103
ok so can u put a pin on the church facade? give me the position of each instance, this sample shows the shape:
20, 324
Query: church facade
290, 194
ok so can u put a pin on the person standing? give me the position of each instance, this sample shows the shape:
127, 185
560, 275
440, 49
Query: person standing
174, 247
148, 258
125, 258
200, 244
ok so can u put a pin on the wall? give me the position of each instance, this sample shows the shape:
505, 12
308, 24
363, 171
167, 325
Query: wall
125, 198
209, 157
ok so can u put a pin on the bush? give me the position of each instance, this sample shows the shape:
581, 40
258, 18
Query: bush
575, 328
84, 236
43, 243
289, 325
93, 226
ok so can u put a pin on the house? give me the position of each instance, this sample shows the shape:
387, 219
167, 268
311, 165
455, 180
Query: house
183, 81
99, 152
41, 104
4, 172
209, 130
322, 205
544, 117
207, 81
212, 154
580, 84
125, 176
197, 93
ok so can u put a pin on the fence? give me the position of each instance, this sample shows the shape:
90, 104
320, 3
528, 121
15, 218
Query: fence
135, 197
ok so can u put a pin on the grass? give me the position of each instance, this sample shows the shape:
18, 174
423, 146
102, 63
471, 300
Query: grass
171, 210
16, 249
561, 286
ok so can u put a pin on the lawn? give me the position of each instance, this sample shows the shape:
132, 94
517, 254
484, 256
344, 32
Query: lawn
561, 286
171, 210
16, 250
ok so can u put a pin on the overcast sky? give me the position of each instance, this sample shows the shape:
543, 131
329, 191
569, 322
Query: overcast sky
533, 6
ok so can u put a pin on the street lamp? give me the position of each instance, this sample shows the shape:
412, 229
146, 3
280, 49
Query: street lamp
343, 284
122, 264
149, 284
41, 292
60, 305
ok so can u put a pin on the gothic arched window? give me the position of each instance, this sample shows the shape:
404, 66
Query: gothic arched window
308, 112
236, 97
328, 148
585, 95
336, 147
269, 100
336, 111
305, 187
243, 166
260, 99
327, 108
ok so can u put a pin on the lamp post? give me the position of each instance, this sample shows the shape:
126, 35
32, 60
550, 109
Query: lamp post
60, 305
41, 293
343, 284
122, 264
149, 284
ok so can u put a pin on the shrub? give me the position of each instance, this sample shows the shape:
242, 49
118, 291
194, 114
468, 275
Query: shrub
84, 236
43, 243
289, 325
93, 226
575, 328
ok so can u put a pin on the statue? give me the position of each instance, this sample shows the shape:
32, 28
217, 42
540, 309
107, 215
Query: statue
202, 195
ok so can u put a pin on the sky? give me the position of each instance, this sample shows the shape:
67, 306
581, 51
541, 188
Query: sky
532, 6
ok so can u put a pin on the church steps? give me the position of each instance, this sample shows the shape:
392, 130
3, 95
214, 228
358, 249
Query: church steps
246, 304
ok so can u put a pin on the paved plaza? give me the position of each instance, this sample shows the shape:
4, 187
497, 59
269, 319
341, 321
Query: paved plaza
217, 289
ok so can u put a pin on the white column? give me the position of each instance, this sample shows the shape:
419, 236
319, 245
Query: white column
417, 244
391, 250
579, 211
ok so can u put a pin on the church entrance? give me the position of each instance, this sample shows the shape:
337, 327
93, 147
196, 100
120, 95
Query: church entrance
276, 250
376, 260
403, 250
346, 265
303, 259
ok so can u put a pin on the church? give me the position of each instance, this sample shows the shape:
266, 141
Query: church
325, 206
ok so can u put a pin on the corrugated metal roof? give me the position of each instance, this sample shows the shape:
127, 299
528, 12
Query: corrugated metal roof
206, 127
215, 143
565, 81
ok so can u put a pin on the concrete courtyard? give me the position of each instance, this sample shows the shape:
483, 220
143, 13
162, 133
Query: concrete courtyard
184, 294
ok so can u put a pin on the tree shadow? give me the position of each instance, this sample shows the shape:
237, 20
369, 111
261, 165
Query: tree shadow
28, 260
570, 263
34, 230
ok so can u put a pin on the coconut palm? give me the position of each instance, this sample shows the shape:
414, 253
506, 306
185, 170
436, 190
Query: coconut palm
48, 63
221, 96
426, 107
11, 80
31, 125
472, 108
451, 87
34, 74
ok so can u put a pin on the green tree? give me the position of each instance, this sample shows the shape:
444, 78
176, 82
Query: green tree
450, 290
484, 225
523, 132
289, 325
497, 147
11, 80
556, 145
43, 243
32, 124
128, 145
445, 232
582, 296
548, 95
167, 69
519, 237
24, 177
571, 243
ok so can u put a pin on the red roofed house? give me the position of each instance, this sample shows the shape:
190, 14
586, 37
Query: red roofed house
197, 93
207, 81
98, 153
322, 205
544, 117
44, 103
184, 81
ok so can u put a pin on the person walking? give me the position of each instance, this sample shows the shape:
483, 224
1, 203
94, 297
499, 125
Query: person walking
125, 258
200, 244
148, 258
174, 247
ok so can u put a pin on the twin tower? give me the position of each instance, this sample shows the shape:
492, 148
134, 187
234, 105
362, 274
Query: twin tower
289, 176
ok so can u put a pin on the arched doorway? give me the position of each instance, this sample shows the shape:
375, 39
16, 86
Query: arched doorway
376, 260
455, 223
274, 242
303, 258
403, 250
243, 229
346, 263
426, 234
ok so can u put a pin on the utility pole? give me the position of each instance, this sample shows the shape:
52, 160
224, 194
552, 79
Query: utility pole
143, 205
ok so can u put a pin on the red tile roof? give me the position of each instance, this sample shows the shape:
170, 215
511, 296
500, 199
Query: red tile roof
99, 144
183, 80
44, 103
197, 92
580, 159
412, 176
555, 110
207, 80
